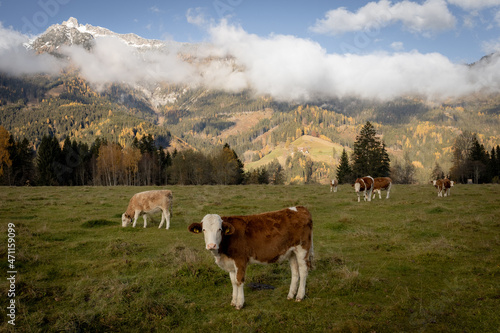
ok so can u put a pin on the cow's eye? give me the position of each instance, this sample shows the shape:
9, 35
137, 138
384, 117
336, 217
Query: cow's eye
203, 230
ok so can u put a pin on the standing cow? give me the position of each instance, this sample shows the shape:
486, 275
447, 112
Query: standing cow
364, 184
334, 183
236, 241
443, 186
382, 183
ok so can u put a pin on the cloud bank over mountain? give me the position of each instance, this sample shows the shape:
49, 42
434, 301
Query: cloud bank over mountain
283, 66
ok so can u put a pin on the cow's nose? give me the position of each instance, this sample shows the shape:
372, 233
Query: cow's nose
212, 246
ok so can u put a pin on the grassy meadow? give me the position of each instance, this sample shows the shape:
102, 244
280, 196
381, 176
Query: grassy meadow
413, 263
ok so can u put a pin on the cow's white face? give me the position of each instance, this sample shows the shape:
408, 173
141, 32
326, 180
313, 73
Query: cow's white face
212, 230
434, 182
126, 220
357, 187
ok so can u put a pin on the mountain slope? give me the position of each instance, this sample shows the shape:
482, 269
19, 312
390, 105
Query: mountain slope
258, 127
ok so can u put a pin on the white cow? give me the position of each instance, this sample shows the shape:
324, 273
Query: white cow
149, 202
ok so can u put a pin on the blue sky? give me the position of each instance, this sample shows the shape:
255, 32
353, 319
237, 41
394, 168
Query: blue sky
461, 30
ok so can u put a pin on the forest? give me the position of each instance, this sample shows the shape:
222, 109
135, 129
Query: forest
418, 135
144, 162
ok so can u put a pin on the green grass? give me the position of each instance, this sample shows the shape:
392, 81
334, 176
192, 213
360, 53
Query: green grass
413, 263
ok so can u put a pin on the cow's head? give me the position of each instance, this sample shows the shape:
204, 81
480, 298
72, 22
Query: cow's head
357, 185
126, 219
213, 229
434, 182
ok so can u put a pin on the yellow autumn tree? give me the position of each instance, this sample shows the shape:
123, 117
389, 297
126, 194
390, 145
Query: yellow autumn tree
4, 152
109, 163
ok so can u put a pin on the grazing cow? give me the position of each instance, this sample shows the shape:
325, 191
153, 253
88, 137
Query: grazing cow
364, 184
333, 185
236, 241
382, 183
148, 202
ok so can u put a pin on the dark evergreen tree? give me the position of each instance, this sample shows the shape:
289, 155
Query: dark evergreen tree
437, 172
344, 172
478, 161
227, 167
49, 153
369, 156
21, 172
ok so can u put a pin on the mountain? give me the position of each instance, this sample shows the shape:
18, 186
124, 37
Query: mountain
71, 32
193, 115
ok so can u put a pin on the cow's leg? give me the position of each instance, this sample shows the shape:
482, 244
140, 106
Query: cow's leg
358, 197
300, 254
335, 189
145, 220
232, 276
162, 219
388, 191
294, 267
167, 218
379, 194
240, 281
136, 216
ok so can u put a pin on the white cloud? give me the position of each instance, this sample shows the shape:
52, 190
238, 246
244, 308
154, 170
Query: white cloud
397, 46
431, 16
282, 66
155, 10
291, 68
475, 4
497, 18
15, 59
196, 16
111, 60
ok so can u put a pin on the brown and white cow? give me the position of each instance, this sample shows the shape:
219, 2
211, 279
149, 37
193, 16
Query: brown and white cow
334, 183
364, 184
438, 183
448, 184
236, 241
148, 202
443, 186
382, 183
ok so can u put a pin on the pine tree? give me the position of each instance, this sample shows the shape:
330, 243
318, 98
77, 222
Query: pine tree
49, 154
369, 156
344, 172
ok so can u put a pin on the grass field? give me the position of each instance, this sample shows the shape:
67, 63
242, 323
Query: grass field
413, 263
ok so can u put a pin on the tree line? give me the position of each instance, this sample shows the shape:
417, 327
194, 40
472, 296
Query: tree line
109, 164
472, 161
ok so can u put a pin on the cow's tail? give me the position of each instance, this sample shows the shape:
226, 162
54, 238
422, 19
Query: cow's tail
370, 192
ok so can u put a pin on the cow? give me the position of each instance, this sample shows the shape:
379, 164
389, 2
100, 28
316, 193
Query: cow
364, 184
333, 185
149, 202
443, 186
236, 241
382, 183
447, 185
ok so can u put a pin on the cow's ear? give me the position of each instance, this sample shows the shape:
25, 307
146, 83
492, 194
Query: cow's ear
195, 228
227, 228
